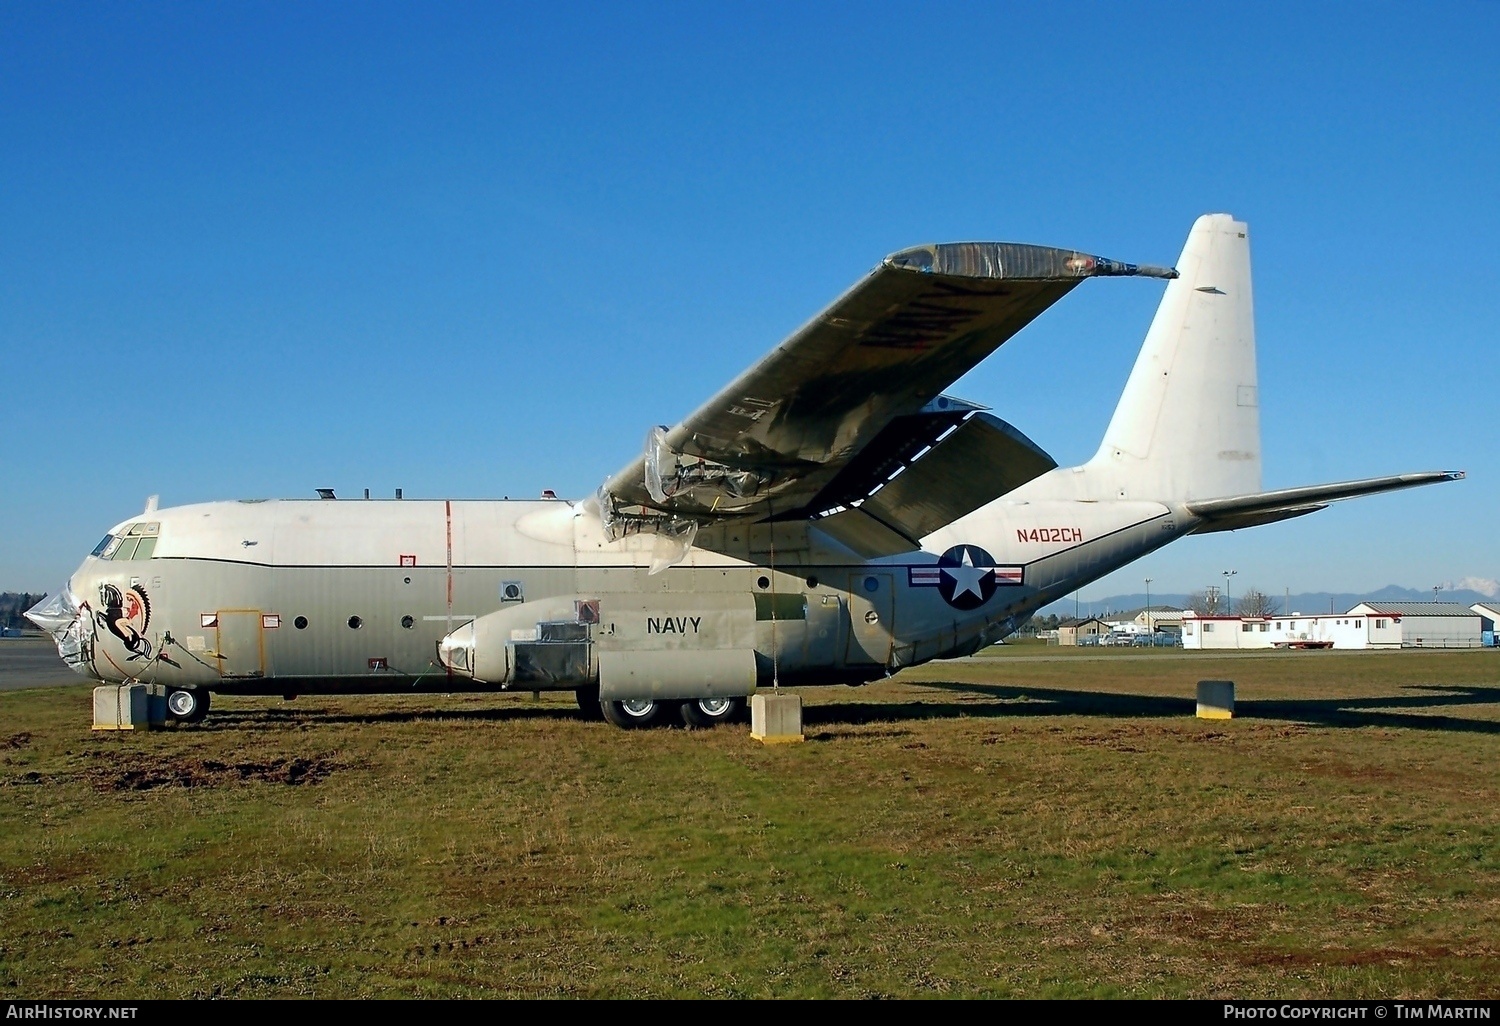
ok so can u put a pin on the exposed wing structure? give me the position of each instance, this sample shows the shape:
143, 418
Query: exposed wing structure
1237, 511
981, 460
786, 438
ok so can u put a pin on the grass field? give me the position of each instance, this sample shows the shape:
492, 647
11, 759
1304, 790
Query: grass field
1028, 823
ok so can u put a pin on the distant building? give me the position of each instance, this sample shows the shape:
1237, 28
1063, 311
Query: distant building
1069, 631
1428, 624
1389, 625
1145, 621
1161, 618
1489, 621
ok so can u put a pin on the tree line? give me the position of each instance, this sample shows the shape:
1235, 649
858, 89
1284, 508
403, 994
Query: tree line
1211, 602
13, 604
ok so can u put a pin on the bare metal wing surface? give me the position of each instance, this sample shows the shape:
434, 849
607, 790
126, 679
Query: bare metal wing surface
1238, 511
785, 438
980, 460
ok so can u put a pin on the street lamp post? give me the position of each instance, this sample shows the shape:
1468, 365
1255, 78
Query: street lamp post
1149, 629
1228, 595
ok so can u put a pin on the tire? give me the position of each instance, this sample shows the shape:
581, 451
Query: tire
710, 712
588, 703
187, 705
641, 712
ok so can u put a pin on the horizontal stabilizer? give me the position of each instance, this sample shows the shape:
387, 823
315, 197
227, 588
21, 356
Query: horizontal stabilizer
1237, 511
983, 459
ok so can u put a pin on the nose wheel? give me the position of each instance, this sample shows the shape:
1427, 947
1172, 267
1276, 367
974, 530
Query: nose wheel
187, 705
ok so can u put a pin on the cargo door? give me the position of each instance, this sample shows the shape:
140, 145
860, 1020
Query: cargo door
240, 646
872, 619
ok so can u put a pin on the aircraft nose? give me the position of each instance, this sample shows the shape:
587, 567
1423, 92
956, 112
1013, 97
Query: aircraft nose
456, 651
58, 615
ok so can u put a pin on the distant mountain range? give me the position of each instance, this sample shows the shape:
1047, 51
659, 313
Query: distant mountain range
1464, 591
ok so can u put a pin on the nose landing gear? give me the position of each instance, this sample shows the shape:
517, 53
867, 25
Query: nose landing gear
187, 705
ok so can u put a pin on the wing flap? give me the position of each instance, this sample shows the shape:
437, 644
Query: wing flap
862, 534
983, 459
897, 446
980, 461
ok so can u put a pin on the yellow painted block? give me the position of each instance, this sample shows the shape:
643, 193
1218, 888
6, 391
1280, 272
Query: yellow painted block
776, 718
121, 707
1216, 699
778, 739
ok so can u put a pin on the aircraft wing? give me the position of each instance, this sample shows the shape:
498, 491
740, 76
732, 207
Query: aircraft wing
866, 375
1237, 511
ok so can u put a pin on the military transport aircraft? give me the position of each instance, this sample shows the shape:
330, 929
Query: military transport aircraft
830, 516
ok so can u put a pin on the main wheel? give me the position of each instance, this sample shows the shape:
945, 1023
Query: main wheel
187, 705
710, 712
588, 703
633, 712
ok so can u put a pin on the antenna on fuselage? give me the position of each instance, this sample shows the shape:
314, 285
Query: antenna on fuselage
151, 503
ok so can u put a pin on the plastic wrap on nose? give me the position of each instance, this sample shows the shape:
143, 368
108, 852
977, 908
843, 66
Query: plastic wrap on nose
73, 634
456, 651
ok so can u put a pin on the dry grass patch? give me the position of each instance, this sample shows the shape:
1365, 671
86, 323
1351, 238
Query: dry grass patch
1025, 823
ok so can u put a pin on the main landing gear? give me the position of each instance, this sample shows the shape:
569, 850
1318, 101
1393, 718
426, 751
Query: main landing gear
647, 712
710, 712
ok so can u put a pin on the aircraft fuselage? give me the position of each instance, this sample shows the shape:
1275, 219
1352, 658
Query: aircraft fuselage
299, 597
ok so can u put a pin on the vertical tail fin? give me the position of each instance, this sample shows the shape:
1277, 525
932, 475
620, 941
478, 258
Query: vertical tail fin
1188, 423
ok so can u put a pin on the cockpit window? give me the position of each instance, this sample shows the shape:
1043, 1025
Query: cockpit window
138, 541
103, 544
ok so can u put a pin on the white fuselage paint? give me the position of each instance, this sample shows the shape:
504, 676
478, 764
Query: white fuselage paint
303, 596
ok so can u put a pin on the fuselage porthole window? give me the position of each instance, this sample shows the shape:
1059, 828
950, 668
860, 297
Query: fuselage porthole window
872, 584
300, 623
354, 623
408, 621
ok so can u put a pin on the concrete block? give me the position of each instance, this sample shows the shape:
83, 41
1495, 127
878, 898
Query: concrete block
776, 717
1215, 699
122, 707
156, 705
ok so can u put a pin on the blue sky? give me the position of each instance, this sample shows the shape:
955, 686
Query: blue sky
477, 250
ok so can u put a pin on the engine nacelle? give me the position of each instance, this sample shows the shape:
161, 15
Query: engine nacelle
630, 646
542, 645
